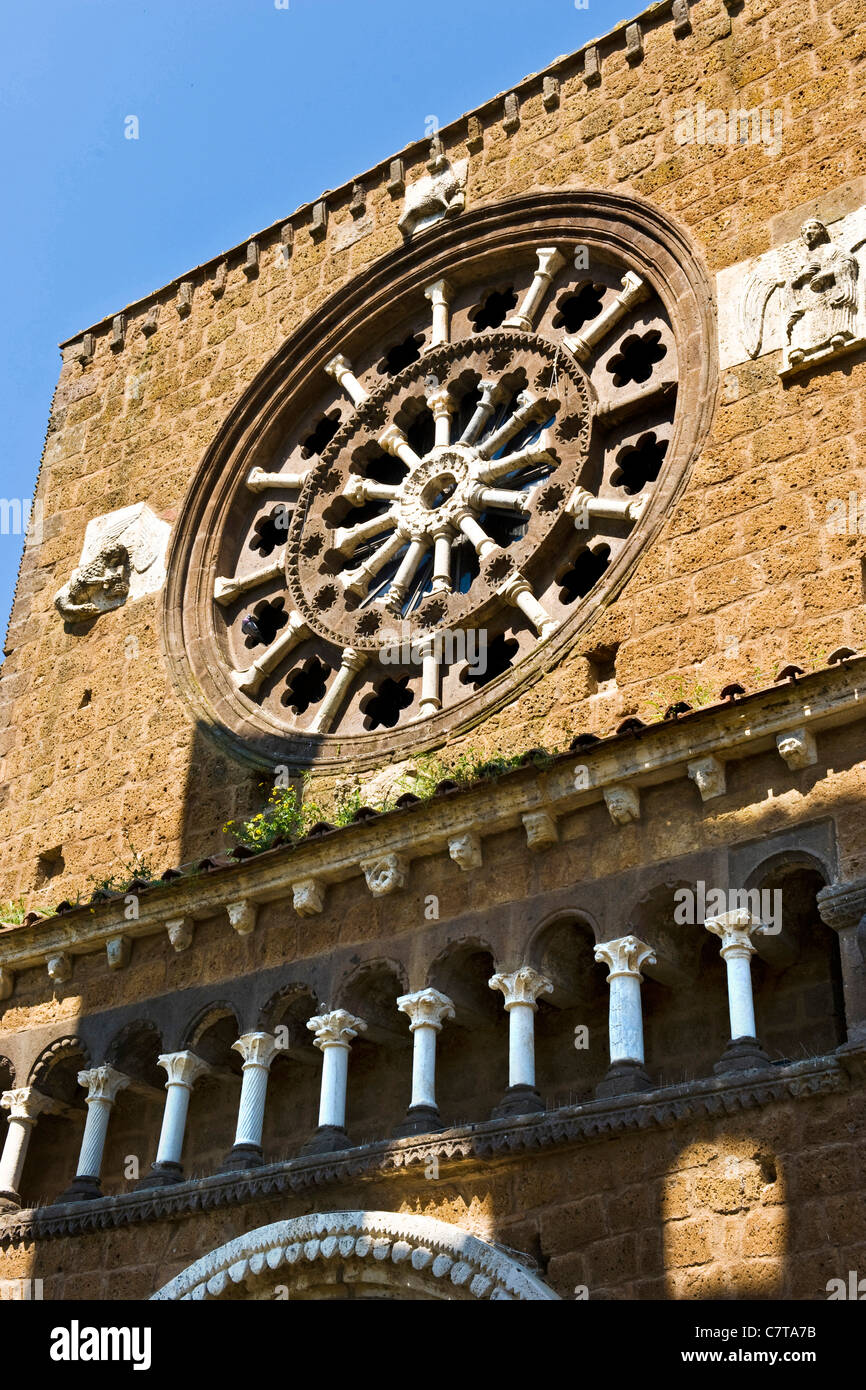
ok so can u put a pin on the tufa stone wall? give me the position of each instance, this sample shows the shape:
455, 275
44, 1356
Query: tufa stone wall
99, 753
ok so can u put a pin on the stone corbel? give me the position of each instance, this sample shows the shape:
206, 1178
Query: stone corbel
59, 968
308, 896
387, 873
708, 775
117, 949
465, 850
242, 916
797, 748
180, 932
7, 982
623, 803
541, 829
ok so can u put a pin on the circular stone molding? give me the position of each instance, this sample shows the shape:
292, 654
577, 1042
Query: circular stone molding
379, 1254
430, 491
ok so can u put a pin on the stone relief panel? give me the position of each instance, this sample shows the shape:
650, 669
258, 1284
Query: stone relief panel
807, 297
122, 559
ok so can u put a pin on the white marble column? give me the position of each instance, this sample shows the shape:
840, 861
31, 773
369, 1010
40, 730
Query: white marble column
25, 1106
735, 931
334, 1033
624, 958
103, 1087
521, 989
634, 291
550, 262
258, 1051
426, 1010
439, 295
182, 1069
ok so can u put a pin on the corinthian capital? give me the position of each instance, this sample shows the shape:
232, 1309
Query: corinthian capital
522, 986
735, 929
257, 1049
426, 1008
336, 1029
102, 1083
28, 1104
182, 1068
625, 956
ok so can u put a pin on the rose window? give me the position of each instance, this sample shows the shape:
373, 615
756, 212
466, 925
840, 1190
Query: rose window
427, 495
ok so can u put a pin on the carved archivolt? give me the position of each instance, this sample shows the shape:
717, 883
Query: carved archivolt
439, 479
413, 1256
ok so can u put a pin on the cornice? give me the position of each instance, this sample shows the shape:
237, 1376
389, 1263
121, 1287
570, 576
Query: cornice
652, 756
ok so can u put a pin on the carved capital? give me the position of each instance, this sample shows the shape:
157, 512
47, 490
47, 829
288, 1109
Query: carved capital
257, 1049
708, 775
182, 1068
180, 932
28, 1104
465, 850
242, 916
797, 748
623, 804
385, 874
440, 292
735, 930
308, 896
625, 956
522, 986
843, 905
336, 1029
102, 1083
426, 1008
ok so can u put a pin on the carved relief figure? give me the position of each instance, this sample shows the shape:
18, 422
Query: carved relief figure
818, 280
96, 587
122, 559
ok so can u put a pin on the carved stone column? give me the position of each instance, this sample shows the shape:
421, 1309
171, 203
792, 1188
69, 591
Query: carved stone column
258, 1051
843, 907
334, 1034
182, 1069
426, 1010
521, 990
25, 1106
103, 1086
624, 959
735, 930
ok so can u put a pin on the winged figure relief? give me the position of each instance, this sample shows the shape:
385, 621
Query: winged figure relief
818, 281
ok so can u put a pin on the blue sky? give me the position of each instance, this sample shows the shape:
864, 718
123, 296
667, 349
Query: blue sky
246, 109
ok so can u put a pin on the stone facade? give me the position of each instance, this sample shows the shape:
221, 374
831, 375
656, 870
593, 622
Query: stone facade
678, 1151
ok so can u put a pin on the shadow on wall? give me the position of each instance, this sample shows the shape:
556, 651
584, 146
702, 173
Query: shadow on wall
725, 1221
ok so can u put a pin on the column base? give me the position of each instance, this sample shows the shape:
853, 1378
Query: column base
161, 1175
420, 1119
518, 1100
328, 1139
81, 1189
742, 1054
9, 1201
624, 1078
243, 1156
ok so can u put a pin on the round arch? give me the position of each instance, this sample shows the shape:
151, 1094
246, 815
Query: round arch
381, 1253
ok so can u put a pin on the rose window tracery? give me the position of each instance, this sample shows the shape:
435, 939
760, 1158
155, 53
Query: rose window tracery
437, 503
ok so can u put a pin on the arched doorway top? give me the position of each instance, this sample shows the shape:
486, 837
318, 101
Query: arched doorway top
427, 1257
